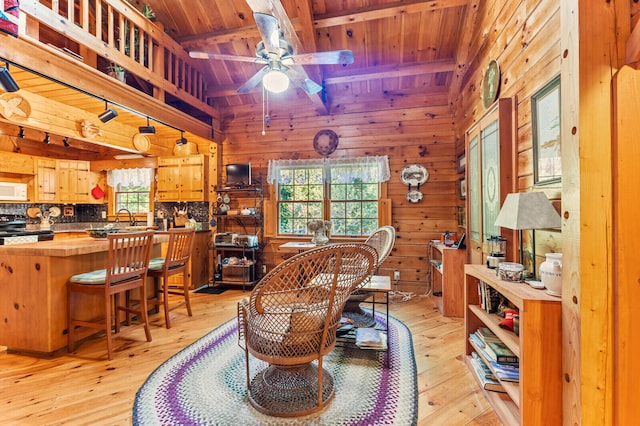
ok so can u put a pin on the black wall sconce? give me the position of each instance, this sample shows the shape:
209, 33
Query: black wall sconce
65, 142
108, 114
47, 138
20, 133
6, 80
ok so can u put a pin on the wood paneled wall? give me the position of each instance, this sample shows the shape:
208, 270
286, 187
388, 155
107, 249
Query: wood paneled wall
408, 127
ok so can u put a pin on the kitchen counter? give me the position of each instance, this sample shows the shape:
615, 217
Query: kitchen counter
33, 284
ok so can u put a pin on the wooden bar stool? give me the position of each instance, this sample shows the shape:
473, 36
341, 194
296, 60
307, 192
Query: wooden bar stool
127, 264
175, 262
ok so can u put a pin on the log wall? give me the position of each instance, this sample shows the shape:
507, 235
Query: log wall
409, 128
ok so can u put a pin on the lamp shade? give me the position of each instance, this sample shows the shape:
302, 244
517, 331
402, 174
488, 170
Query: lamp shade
527, 210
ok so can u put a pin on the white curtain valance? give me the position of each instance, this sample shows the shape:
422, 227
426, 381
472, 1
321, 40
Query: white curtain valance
135, 177
380, 163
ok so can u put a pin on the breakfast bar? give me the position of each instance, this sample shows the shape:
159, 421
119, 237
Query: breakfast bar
33, 281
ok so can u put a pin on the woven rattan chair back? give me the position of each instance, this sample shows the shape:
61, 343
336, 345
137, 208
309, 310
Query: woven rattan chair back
175, 262
291, 319
126, 270
382, 240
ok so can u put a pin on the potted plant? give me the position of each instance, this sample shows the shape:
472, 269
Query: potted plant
116, 71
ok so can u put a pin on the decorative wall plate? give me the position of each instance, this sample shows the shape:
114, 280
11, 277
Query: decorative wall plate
141, 142
414, 196
325, 142
14, 107
55, 211
491, 84
414, 175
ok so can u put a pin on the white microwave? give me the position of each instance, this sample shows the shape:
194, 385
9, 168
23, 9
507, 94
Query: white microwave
13, 191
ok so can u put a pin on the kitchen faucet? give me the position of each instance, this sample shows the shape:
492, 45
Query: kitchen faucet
131, 221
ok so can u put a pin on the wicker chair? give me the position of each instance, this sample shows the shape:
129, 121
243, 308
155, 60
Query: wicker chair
291, 319
382, 240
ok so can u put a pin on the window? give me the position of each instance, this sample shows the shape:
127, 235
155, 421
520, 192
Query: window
132, 189
345, 191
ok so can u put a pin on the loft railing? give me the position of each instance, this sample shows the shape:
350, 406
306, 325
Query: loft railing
126, 39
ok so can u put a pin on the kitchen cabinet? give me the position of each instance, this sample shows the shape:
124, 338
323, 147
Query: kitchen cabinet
198, 268
73, 181
183, 178
46, 178
16, 163
537, 398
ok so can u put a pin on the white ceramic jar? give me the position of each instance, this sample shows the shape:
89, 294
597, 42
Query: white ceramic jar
551, 273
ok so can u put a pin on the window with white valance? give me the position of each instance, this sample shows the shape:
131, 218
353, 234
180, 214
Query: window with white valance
345, 191
131, 188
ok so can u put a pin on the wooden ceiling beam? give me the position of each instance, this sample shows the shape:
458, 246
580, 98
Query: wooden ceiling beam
300, 24
402, 70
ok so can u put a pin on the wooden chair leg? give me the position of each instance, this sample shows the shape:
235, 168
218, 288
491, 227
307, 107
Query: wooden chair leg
71, 341
145, 313
185, 289
165, 301
108, 330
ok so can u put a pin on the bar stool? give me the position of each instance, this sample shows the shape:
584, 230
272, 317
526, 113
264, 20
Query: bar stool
175, 262
127, 264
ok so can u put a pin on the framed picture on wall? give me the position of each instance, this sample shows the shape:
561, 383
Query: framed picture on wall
461, 162
462, 187
545, 122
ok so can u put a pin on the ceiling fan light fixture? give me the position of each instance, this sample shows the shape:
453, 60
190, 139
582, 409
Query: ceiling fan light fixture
275, 81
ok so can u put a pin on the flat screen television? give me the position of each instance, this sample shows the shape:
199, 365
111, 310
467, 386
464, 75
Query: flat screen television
238, 175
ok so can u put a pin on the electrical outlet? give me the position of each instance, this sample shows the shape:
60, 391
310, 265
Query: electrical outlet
264, 269
396, 275
104, 214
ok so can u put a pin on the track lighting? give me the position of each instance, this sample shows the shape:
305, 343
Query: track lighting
182, 139
47, 138
65, 142
108, 114
20, 133
6, 80
147, 130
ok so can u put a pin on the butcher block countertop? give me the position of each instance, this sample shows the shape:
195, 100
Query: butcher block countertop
65, 248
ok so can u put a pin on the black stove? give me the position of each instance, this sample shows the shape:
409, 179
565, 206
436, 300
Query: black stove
15, 232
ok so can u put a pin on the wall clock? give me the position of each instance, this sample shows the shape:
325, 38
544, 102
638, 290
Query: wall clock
491, 84
325, 142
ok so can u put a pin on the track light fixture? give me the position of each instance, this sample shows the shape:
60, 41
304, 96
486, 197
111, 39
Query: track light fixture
65, 142
147, 130
47, 138
6, 80
182, 139
108, 114
20, 133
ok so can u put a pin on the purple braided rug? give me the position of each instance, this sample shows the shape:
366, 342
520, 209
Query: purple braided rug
205, 384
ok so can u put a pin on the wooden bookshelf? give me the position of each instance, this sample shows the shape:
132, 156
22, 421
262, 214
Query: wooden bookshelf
537, 398
447, 280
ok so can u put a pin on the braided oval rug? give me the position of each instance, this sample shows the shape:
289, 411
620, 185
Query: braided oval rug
205, 384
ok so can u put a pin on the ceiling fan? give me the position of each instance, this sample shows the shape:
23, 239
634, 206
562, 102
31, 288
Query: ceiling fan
282, 64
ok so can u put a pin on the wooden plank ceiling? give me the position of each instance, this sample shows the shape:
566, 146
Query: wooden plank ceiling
403, 47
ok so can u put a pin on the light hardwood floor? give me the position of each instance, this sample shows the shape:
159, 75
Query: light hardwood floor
83, 388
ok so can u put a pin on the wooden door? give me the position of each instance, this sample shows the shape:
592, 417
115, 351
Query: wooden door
490, 177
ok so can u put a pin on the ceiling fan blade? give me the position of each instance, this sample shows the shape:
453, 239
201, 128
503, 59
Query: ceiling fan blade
253, 81
268, 27
342, 57
299, 77
225, 57
275, 8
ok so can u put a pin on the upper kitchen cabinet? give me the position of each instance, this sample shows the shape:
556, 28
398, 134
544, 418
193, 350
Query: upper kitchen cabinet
183, 178
46, 180
73, 181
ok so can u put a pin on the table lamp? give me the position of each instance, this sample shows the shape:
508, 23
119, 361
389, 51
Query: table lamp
527, 210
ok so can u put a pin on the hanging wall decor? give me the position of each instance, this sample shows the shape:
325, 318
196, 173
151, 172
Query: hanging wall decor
414, 175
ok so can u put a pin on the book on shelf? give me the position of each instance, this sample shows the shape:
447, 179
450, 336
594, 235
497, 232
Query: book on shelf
489, 297
476, 341
487, 335
499, 352
487, 384
483, 365
506, 372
